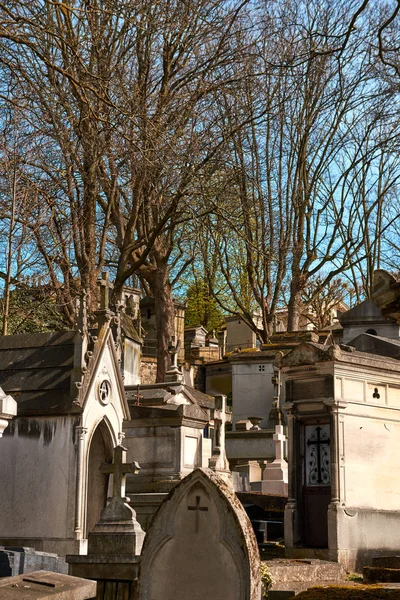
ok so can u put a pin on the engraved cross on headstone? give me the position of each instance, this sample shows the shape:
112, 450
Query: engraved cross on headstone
197, 508
119, 469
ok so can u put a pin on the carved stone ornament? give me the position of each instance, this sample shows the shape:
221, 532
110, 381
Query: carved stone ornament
104, 391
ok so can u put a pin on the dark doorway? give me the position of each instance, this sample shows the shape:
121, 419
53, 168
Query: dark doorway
316, 485
100, 452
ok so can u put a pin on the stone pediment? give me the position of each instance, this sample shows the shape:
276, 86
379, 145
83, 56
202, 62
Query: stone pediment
102, 381
309, 354
200, 544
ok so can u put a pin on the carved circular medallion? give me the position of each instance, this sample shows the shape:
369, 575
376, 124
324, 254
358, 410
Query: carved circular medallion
104, 391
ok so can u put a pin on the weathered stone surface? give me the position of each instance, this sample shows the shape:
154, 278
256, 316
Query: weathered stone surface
388, 562
200, 545
40, 585
381, 575
16, 561
350, 592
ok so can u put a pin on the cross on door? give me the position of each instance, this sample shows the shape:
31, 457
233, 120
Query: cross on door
320, 466
197, 508
119, 469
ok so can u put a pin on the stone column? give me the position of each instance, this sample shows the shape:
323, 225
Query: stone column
291, 456
334, 408
290, 525
334, 508
80, 482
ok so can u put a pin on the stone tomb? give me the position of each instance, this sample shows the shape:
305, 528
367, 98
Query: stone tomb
200, 545
344, 443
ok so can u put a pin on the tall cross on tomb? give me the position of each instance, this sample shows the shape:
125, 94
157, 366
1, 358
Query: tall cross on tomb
105, 287
119, 469
219, 461
173, 349
197, 508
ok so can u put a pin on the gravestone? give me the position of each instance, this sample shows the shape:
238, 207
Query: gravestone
200, 545
116, 541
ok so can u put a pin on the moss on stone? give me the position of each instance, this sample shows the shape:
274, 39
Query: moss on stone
367, 592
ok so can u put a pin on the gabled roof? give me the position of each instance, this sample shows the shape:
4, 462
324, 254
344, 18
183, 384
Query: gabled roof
365, 312
37, 370
50, 373
376, 344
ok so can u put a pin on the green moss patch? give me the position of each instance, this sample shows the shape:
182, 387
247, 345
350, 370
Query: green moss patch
370, 592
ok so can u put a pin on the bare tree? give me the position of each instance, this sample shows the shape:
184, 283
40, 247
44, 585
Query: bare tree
306, 179
124, 113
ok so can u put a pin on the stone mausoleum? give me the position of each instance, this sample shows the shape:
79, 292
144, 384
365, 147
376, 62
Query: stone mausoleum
343, 410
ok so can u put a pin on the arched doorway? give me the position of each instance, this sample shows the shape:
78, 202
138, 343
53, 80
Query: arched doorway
100, 452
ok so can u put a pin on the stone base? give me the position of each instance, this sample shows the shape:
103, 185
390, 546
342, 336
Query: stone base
104, 567
274, 488
59, 546
145, 505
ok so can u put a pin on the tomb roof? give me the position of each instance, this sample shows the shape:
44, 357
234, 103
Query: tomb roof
365, 312
161, 394
311, 353
50, 373
36, 369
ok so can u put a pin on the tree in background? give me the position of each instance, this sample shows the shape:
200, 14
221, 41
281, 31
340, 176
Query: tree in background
120, 94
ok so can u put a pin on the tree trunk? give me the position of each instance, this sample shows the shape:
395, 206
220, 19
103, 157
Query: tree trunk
161, 291
294, 306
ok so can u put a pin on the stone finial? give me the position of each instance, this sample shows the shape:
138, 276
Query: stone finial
82, 321
8, 410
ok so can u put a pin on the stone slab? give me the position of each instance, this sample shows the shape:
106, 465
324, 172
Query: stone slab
19, 560
304, 570
381, 575
349, 592
41, 585
280, 594
387, 562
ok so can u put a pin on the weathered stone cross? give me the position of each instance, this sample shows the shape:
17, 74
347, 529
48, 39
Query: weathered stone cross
197, 508
173, 349
119, 469
105, 287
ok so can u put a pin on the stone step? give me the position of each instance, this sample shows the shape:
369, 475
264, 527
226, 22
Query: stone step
388, 562
304, 571
381, 575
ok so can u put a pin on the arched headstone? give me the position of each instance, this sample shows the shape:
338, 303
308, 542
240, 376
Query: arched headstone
200, 545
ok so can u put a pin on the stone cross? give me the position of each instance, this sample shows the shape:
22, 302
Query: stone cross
105, 287
218, 461
197, 508
173, 373
119, 469
173, 349
279, 438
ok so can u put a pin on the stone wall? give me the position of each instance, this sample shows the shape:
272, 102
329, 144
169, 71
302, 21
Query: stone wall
148, 370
